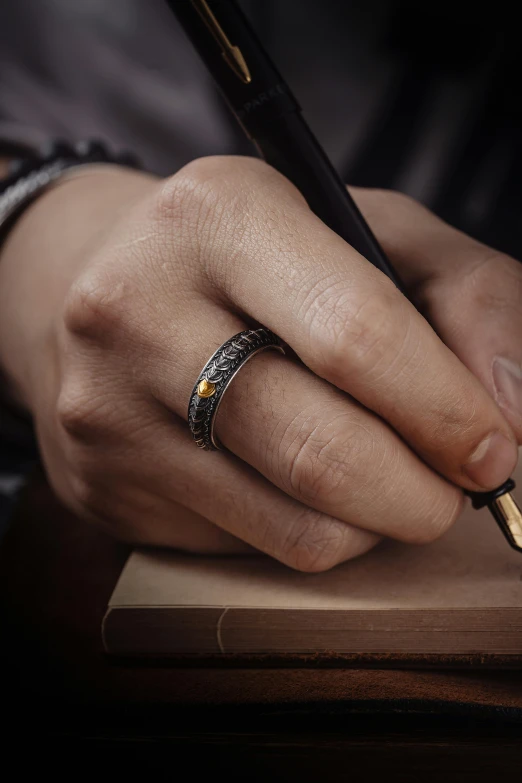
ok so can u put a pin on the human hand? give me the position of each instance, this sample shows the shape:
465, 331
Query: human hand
367, 431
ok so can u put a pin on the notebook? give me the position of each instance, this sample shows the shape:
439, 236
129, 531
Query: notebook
461, 595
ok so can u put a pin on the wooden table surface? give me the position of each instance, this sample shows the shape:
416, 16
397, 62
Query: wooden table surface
283, 721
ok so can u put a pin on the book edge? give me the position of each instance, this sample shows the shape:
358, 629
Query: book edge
221, 645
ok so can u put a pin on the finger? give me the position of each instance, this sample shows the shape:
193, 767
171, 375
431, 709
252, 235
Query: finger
471, 294
332, 454
116, 476
312, 441
281, 266
142, 518
235, 498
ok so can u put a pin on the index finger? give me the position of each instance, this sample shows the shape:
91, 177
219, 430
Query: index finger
473, 294
281, 266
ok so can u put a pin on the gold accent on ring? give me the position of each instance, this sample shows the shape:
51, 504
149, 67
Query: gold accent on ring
206, 388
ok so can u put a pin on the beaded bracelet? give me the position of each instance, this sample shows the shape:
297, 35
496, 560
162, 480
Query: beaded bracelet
30, 176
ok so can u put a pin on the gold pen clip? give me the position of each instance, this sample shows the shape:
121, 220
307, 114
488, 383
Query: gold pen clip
231, 54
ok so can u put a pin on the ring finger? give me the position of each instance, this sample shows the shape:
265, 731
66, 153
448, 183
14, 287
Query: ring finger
308, 438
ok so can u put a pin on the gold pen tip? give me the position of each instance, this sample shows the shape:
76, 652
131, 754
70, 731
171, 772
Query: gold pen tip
509, 517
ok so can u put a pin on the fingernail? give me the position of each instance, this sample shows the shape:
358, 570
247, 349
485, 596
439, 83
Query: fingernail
507, 377
492, 462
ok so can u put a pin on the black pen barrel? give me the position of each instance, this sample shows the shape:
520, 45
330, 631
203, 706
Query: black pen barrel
271, 117
292, 149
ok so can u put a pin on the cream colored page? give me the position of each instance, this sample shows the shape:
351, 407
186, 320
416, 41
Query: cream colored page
472, 566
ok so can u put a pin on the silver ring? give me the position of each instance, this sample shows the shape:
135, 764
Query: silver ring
216, 377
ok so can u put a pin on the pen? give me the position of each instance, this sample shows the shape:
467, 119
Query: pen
271, 117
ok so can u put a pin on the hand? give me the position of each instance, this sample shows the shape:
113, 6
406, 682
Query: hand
368, 431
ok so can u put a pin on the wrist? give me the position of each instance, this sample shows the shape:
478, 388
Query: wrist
42, 255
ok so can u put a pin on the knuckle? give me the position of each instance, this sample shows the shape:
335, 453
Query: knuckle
193, 185
202, 206
200, 187
206, 190
95, 307
359, 334
107, 508
457, 420
216, 209
320, 463
369, 334
85, 494
375, 334
439, 517
78, 412
495, 282
314, 543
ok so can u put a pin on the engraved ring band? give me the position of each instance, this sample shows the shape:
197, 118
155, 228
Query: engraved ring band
216, 377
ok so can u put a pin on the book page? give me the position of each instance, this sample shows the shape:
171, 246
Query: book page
472, 566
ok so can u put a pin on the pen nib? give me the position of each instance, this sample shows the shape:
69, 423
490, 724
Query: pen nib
509, 517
